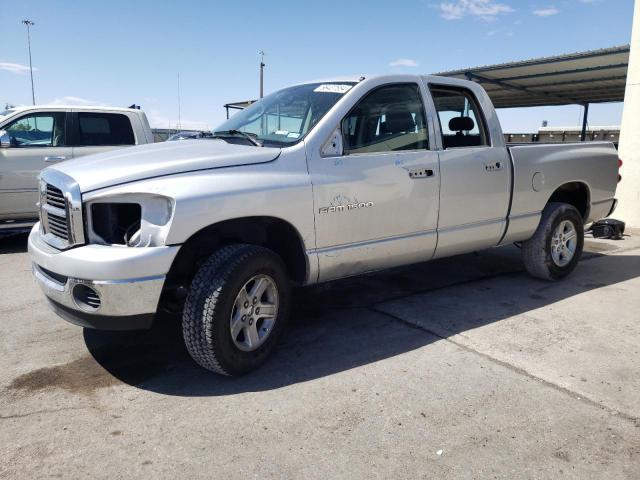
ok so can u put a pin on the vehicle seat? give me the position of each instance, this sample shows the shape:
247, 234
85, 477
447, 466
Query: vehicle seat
398, 120
57, 139
461, 125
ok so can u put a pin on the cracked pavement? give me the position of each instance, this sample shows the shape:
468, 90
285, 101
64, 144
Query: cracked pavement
459, 368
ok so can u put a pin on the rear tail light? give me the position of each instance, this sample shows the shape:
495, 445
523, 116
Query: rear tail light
619, 167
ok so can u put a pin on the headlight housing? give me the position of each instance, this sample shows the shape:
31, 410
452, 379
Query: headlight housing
133, 220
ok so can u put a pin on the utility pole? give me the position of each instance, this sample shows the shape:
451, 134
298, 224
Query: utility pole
262, 65
30, 24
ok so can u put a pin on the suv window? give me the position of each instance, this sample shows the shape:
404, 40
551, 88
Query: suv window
461, 121
390, 118
37, 130
95, 129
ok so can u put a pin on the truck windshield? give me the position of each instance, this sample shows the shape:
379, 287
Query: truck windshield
285, 117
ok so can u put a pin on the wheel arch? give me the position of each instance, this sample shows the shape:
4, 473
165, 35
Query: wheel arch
576, 193
270, 232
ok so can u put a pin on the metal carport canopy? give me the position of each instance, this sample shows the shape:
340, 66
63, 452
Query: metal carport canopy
582, 78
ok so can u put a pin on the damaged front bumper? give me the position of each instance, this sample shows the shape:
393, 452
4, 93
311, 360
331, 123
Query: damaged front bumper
103, 287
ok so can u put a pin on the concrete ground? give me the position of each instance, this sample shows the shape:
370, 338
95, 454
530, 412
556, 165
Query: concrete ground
460, 368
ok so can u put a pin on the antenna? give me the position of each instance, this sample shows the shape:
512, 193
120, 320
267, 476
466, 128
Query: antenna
179, 126
29, 24
262, 65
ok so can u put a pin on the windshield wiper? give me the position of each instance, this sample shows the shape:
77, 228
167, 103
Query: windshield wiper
234, 133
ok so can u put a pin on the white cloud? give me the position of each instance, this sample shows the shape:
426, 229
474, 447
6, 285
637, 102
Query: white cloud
403, 62
484, 9
546, 12
76, 101
16, 68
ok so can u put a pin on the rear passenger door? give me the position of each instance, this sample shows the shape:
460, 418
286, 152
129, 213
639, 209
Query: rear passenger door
476, 176
96, 132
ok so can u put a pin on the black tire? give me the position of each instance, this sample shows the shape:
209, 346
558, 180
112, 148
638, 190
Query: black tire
536, 252
207, 312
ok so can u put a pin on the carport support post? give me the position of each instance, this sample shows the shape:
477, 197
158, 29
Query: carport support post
585, 118
628, 192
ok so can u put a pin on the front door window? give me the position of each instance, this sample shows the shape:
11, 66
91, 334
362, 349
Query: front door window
389, 119
38, 130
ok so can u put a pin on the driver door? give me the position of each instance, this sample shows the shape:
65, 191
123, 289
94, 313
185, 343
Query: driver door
376, 205
36, 140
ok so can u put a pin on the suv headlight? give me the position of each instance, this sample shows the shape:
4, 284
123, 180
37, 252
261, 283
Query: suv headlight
134, 220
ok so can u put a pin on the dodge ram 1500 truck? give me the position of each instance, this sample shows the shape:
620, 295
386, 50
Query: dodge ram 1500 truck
315, 182
32, 138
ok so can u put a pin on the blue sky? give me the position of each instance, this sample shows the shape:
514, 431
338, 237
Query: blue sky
121, 52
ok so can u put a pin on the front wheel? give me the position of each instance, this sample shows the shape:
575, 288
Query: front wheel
556, 246
236, 309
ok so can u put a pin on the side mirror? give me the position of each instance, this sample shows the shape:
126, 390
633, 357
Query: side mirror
333, 146
5, 139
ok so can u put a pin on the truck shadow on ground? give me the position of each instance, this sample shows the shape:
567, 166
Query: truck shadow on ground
13, 243
339, 326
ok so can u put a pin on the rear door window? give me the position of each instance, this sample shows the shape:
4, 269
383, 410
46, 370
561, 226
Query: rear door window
461, 120
97, 129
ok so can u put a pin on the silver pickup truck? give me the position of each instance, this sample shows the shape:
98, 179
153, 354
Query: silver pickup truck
32, 138
315, 182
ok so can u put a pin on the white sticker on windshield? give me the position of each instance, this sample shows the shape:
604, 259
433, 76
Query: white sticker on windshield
281, 132
293, 135
333, 88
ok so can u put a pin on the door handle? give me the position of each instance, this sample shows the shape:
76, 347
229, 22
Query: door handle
493, 167
420, 173
55, 158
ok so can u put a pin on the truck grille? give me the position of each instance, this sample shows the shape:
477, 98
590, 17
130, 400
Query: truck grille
60, 210
55, 220
58, 226
55, 196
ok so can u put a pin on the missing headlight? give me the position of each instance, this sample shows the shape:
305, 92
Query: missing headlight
116, 223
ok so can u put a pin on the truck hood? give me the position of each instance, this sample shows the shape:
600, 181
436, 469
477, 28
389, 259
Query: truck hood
158, 159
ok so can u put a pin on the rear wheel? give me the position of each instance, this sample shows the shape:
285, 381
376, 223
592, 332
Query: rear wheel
556, 246
236, 309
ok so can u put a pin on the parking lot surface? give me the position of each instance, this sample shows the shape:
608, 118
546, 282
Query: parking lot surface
460, 368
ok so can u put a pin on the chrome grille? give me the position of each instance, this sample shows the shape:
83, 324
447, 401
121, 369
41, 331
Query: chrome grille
54, 214
60, 210
58, 226
55, 196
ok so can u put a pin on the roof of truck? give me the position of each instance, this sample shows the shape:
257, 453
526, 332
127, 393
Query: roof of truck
73, 107
594, 76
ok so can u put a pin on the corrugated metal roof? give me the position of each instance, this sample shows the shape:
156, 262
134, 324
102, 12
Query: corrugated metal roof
595, 76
